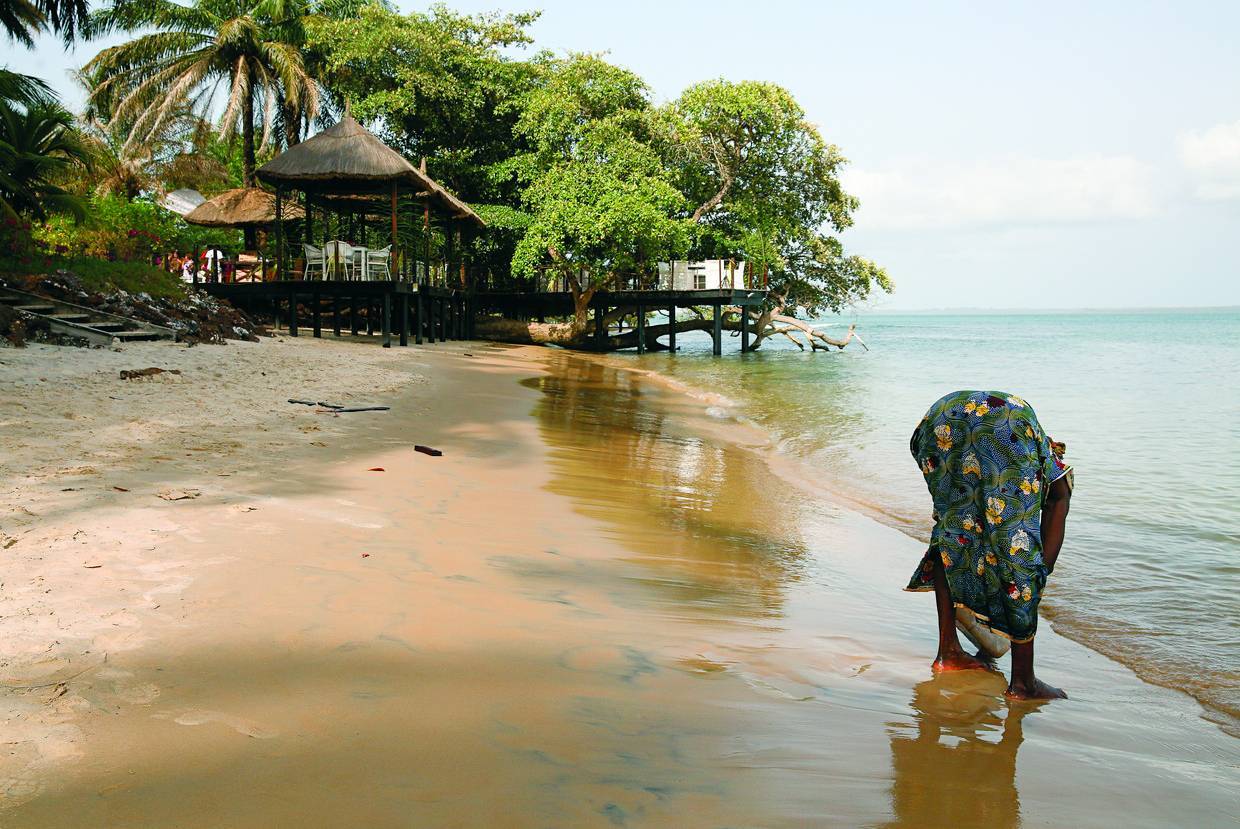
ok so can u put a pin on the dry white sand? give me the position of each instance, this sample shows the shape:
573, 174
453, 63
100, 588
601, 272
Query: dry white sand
88, 463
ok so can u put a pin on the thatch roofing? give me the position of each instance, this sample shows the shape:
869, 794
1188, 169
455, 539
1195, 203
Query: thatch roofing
346, 151
242, 207
347, 158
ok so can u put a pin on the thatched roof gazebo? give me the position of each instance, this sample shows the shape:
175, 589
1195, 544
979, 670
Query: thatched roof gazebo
347, 170
243, 207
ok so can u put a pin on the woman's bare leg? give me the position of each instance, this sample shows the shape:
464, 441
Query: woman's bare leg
951, 657
1024, 684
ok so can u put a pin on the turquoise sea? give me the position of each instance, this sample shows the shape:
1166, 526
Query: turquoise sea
1148, 403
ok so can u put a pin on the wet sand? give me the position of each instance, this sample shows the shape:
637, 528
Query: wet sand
600, 607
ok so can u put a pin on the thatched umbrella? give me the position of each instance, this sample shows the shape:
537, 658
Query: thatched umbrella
347, 158
343, 165
247, 208
243, 207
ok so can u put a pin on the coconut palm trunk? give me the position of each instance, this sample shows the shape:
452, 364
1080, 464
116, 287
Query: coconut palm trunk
248, 160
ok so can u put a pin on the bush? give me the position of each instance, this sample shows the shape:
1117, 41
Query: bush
129, 231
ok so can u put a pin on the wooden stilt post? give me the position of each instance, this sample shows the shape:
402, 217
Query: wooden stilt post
641, 328
402, 313
336, 314
370, 317
292, 312
395, 242
354, 320
387, 320
744, 329
281, 273
718, 330
316, 313
671, 327
419, 316
600, 326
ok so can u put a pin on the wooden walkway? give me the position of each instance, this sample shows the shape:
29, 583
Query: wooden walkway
539, 306
401, 310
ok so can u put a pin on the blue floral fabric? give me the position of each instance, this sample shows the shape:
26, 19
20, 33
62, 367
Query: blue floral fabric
988, 465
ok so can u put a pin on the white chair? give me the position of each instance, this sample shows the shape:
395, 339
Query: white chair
379, 261
338, 256
359, 263
314, 262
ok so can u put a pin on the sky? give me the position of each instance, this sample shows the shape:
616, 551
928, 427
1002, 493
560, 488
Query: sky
1006, 155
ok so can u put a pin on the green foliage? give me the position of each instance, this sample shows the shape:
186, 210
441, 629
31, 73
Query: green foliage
253, 46
575, 172
765, 185
23, 19
818, 276
128, 231
437, 84
38, 146
600, 199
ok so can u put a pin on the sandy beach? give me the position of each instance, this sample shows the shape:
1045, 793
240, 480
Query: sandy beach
604, 605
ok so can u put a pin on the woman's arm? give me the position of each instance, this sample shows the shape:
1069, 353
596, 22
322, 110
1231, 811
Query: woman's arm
1054, 520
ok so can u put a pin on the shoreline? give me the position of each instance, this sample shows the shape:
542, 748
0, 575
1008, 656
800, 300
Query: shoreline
796, 470
711, 615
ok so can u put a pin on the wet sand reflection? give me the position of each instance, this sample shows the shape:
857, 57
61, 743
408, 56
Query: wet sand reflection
701, 514
956, 766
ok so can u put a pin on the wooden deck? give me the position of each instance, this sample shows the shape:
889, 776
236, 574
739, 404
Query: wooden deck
539, 306
387, 308
427, 314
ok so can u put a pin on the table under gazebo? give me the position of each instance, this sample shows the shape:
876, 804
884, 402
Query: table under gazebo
379, 237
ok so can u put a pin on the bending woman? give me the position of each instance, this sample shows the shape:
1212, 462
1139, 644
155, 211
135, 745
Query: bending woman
1001, 494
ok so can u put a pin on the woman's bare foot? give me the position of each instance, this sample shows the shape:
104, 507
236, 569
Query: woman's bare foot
1035, 690
959, 661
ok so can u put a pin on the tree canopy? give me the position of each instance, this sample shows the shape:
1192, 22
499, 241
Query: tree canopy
580, 175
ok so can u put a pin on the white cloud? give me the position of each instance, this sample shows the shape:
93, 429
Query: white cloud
1213, 158
924, 193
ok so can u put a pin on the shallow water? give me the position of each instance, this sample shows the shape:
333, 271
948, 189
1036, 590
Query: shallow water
600, 607
1148, 405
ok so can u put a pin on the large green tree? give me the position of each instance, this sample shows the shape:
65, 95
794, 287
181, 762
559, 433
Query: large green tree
601, 202
764, 186
438, 84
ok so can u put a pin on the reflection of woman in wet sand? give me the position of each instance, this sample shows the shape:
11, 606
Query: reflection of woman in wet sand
1001, 494
954, 741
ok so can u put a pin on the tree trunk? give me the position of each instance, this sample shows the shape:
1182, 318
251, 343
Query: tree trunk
581, 303
292, 124
248, 161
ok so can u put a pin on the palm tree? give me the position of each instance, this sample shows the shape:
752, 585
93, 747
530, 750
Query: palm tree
22, 19
38, 145
124, 165
250, 47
